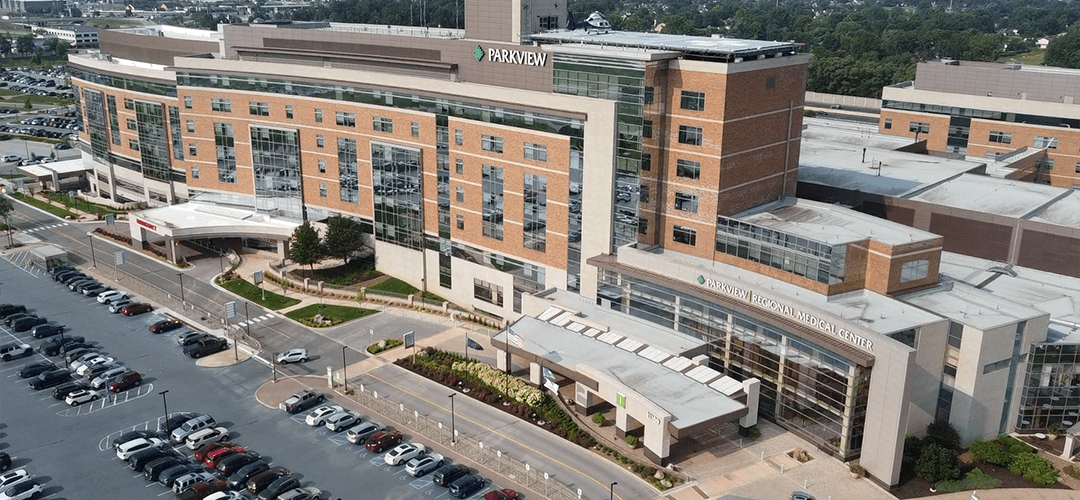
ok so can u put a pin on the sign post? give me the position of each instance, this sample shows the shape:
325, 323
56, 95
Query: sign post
257, 278
230, 311
118, 260
410, 341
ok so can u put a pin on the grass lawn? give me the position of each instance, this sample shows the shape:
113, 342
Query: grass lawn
83, 205
251, 292
395, 285
356, 271
1033, 58
59, 211
337, 314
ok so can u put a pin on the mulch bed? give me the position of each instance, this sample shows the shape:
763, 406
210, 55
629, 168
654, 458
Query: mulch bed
915, 487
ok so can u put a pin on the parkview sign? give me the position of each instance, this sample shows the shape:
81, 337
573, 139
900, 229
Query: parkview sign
509, 56
758, 300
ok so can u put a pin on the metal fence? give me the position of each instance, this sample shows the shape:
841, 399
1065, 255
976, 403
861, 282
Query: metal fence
494, 460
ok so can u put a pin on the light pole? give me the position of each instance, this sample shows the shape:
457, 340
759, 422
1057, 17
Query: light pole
92, 254
8, 225
453, 429
63, 347
166, 404
344, 368
221, 261
611, 491
180, 276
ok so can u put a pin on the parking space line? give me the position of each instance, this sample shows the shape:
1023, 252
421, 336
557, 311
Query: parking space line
108, 401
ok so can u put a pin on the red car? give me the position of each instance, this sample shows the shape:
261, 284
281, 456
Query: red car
506, 494
200, 454
203, 490
165, 325
125, 381
383, 440
216, 456
135, 309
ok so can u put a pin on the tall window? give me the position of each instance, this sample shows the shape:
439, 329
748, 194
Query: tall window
686, 202
347, 176
688, 169
289, 111
114, 121
381, 124
1045, 142
1000, 137
259, 108
646, 162
689, 135
397, 175
226, 152
646, 129
275, 158
534, 218
684, 235
535, 152
346, 119
219, 104
416, 129
492, 143
693, 101
187, 102
459, 137
488, 292
318, 115
176, 135
493, 202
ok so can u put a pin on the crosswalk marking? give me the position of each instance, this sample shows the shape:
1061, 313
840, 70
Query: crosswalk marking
257, 319
40, 228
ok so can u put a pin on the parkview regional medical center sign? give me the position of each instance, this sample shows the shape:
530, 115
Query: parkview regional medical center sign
776, 306
511, 56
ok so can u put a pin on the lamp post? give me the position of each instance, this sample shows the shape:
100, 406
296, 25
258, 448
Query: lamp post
344, 368
92, 254
453, 429
166, 404
611, 491
63, 347
8, 225
180, 276
221, 261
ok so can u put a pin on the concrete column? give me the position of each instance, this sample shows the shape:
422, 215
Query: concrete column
137, 235
752, 388
282, 249
500, 359
657, 441
585, 400
535, 374
170, 249
1067, 453
624, 423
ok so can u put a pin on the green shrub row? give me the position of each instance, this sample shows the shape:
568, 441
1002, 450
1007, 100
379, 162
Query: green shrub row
974, 480
384, 345
1020, 458
1034, 468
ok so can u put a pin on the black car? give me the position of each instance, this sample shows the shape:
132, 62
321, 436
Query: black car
5, 461
241, 476
169, 476
132, 435
448, 474
279, 486
46, 330
139, 460
152, 471
35, 369
55, 349
62, 268
24, 324
50, 378
205, 347
466, 485
61, 391
176, 420
9, 309
68, 275
17, 316
234, 463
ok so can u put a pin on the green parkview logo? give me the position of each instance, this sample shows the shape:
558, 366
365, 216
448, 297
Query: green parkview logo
701, 279
478, 53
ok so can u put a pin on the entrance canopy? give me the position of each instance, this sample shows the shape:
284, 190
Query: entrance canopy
202, 220
54, 172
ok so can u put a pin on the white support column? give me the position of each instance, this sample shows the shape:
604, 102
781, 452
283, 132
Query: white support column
534, 374
1067, 452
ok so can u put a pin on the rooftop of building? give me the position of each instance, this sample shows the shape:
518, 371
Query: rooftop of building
729, 49
1052, 293
174, 32
1003, 82
855, 157
1005, 197
632, 353
831, 224
967, 304
195, 216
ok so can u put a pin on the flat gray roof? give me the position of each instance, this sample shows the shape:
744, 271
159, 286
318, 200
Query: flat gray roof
713, 46
1056, 294
969, 305
1064, 212
831, 224
1007, 197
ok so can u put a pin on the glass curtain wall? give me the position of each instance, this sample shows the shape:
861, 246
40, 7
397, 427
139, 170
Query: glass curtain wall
396, 176
347, 176
1051, 392
96, 125
275, 158
442, 172
805, 387
153, 140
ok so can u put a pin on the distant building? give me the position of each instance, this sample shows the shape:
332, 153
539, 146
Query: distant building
79, 37
992, 110
1042, 43
32, 6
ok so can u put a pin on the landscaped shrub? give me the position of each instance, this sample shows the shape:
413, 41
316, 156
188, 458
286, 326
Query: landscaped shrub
990, 452
937, 463
1033, 468
598, 418
1017, 449
515, 388
942, 433
631, 440
974, 480
1008, 441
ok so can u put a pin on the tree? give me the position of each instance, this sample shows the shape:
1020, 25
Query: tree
306, 248
24, 44
343, 237
942, 433
5, 45
937, 464
1064, 51
5, 210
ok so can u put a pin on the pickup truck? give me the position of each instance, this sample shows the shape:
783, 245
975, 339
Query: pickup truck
301, 401
206, 346
11, 351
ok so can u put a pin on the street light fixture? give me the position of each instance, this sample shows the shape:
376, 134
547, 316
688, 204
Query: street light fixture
344, 368
611, 491
181, 277
63, 346
166, 403
92, 254
453, 429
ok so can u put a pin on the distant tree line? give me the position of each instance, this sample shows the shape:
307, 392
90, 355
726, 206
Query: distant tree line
858, 49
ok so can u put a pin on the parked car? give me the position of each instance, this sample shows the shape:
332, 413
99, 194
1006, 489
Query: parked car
199, 491
381, 441
5, 461
235, 462
84, 367
240, 478
206, 347
136, 309
12, 478
119, 304
138, 460
466, 485
279, 486
35, 369
176, 420
94, 290
190, 337
361, 433
17, 316
318, 416
420, 466
9, 309
170, 475
403, 453
200, 453
185, 482
166, 325
448, 474
125, 381
93, 373
152, 471
133, 435
50, 379
227, 495
132, 447
24, 324
341, 420
74, 354
61, 391
22, 491
215, 457
53, 346
503, 494
46, 330
208, 435
301, 401
14, 350
263, 479
303, 493
292, 356
110, 296
191, 425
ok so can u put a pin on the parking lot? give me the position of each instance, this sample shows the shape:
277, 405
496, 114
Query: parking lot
68, 448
